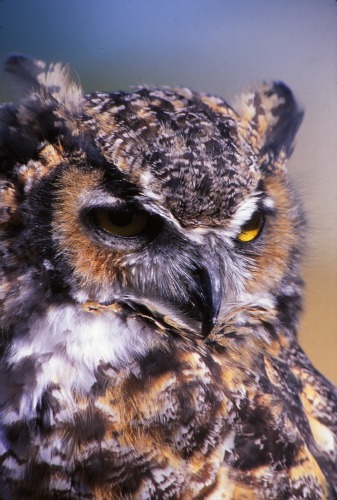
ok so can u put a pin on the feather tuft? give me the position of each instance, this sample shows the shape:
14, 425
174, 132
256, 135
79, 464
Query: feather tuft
31, 76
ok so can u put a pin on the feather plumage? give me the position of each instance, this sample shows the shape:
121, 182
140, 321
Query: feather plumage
148, 350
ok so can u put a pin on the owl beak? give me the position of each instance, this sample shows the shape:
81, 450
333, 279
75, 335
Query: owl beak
210, 295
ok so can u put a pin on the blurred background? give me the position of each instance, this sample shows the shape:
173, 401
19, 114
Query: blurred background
220, 47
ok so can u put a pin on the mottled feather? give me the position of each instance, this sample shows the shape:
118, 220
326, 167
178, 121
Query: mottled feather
150, 292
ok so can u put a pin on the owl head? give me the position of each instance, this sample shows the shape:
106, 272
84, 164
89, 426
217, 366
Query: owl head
161, 201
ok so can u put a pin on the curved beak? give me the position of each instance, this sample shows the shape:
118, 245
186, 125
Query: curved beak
209, 296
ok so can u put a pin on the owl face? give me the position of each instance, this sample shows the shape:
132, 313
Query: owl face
159, 198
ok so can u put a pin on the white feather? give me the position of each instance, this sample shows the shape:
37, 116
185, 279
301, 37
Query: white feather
68, 344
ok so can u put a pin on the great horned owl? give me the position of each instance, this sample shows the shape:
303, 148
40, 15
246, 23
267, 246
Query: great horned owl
149, 298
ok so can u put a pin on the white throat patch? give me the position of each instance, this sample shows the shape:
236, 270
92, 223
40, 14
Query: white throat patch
66, 345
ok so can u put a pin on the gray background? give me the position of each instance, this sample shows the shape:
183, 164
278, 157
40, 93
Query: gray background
218, 46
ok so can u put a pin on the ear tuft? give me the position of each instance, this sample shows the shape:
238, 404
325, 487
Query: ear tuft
49, 109
275, 117
30, 76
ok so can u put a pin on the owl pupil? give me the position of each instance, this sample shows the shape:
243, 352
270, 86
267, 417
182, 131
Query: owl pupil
120, 219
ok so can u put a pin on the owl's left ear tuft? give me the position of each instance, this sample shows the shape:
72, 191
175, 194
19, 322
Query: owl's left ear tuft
275, 117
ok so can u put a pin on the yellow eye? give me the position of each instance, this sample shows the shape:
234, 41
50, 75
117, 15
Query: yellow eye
121, 223
252, 228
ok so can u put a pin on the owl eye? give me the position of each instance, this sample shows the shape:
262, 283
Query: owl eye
120, 223
251, 229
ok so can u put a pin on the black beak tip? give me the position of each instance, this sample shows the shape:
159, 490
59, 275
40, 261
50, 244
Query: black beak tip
207, 325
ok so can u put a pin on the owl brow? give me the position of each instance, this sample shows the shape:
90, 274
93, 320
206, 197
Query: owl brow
264, 203
118, 183
246, 209
260, 202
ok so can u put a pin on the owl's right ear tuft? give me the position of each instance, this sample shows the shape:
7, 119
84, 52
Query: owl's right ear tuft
31, 76
47, 110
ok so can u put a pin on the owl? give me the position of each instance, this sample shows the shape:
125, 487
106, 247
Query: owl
150, 292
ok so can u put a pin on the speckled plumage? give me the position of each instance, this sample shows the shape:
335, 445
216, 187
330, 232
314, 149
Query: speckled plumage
157, 362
